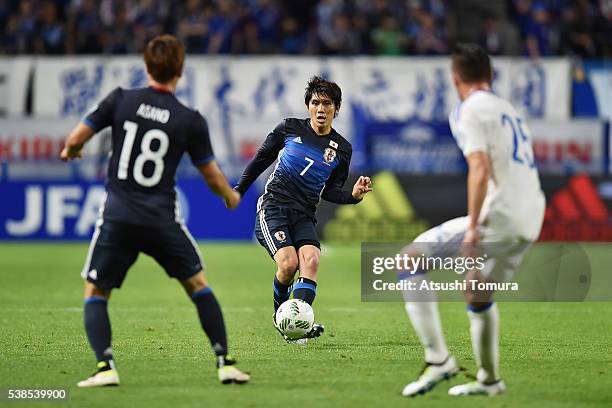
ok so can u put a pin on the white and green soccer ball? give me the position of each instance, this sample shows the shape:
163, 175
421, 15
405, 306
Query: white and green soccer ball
294, 318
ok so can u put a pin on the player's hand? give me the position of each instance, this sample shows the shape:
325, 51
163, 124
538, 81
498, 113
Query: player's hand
362, 187
470, 242
232, 200
70, 154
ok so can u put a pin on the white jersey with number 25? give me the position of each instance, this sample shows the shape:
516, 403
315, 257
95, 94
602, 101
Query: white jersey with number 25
514, 205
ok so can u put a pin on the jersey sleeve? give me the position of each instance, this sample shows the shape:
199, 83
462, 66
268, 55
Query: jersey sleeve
199, 146
265, 156
470, 133
101, 115
333, 191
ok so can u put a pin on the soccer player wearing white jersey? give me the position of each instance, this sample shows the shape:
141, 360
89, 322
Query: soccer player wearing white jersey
505, 206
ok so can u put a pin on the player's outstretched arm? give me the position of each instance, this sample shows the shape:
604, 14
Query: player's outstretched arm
75, 141
265, 156
218, 184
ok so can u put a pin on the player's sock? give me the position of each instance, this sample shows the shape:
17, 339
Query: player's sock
484, 330
98, 328
425, 319
281, 293
305, 289
422, 309
211, 319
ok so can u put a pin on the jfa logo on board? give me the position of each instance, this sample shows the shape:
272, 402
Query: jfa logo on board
55, 211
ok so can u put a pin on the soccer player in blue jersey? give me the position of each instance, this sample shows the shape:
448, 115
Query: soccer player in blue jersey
313, 163
151, 130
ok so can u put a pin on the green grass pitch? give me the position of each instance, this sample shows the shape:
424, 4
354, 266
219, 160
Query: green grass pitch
553, 354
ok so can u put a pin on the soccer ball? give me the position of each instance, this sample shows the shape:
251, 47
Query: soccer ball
294, 318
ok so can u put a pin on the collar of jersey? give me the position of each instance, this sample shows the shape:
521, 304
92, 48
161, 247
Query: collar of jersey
314, 131
155, 88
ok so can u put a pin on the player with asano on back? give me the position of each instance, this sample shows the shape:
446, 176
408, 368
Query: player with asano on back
151, 130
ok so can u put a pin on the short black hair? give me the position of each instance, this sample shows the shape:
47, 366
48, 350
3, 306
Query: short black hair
471, 62
318, 85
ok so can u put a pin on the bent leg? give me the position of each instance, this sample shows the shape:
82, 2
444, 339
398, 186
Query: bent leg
272, 232
306, 286
286, 265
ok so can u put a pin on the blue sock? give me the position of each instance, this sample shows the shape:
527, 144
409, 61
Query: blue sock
281, 293
98, 328
211, 319
305, 289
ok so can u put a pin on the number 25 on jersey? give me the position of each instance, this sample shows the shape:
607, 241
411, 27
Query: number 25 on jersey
522, 152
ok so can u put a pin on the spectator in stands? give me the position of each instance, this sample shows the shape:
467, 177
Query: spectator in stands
193, 27
5, 13
292, 40
469, 16
539, 32
10, 38
340, 38
388, 39
326, 10
222, 27
429, 40
148, 20
118, 37
602, 30
492, 36
382, 27
265, 17
378, 10
576, 37
25, 31
522, 16
51, 34
86, 28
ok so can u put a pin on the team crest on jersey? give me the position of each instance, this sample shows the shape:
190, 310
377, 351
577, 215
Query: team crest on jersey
329, 155
280, 236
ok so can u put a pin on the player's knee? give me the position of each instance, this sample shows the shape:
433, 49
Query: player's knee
478, 304
478, 299
310, 262
195, 283
287, 265
409, 269
92, 290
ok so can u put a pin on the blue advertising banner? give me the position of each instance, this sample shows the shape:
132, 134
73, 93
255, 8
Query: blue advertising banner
69, 210
592, 90
411, 146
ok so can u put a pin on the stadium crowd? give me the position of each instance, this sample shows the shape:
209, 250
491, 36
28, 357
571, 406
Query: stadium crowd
327, 27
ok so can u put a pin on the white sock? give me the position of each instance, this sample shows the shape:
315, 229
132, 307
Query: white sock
425, 319
484, 330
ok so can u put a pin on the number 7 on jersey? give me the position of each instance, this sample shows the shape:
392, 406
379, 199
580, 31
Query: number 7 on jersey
310, 163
